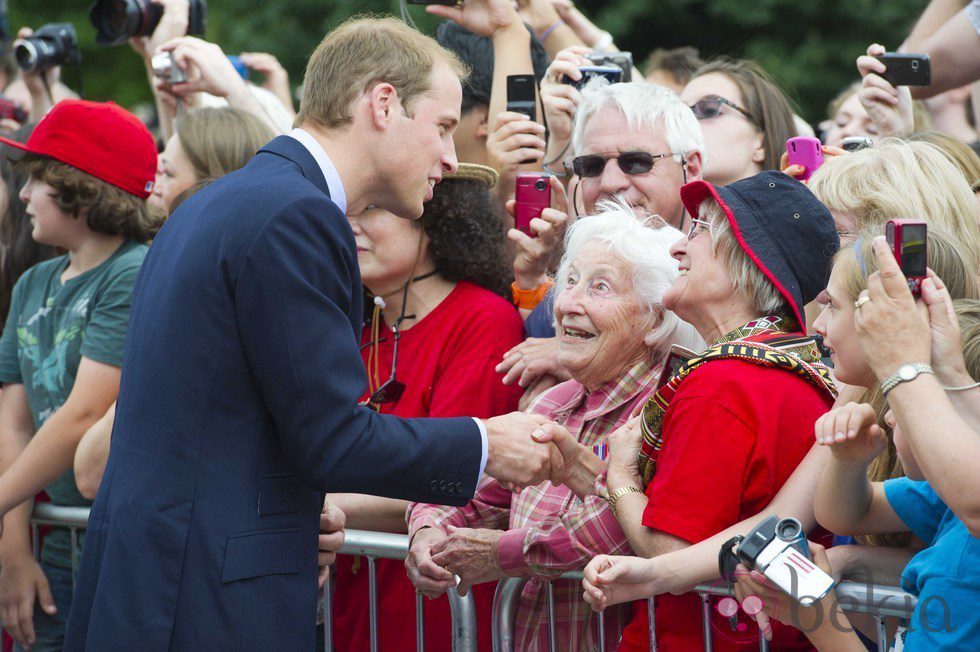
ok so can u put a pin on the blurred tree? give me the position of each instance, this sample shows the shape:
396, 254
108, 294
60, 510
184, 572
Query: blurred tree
809, 47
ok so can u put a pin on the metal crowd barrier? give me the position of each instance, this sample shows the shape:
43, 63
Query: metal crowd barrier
879, 601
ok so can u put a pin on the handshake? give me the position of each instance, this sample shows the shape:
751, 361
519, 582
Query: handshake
526, 449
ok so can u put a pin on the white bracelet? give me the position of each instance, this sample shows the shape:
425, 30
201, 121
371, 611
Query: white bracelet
605, 40
960, 389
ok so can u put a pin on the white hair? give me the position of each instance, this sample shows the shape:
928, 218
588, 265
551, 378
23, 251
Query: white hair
643, 242
645, 106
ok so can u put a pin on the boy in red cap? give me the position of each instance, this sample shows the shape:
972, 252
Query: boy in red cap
91, 167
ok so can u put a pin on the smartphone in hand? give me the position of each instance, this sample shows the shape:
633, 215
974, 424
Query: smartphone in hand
907, 240
906, 69
533, 195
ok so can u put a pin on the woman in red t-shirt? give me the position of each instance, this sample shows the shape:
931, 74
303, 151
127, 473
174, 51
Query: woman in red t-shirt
435, 289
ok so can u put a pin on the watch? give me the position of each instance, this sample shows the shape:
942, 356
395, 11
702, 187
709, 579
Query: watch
904, 374
619, 493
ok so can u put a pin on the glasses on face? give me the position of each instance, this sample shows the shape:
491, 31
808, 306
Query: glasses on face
592, 165
391, 390
697, 228
709, 107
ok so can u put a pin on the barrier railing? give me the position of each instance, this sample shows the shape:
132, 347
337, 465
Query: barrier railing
879, 601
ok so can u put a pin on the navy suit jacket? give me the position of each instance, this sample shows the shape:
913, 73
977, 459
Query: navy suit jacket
237, 408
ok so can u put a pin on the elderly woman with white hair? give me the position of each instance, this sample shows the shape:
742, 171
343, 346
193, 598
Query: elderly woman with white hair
614, 335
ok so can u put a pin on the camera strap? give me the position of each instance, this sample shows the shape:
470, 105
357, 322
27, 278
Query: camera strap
796, 354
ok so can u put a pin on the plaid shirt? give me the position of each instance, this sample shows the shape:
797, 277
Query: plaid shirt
549, 530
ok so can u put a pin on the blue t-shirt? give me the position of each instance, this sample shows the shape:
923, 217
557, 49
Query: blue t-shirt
945, 576
541, 321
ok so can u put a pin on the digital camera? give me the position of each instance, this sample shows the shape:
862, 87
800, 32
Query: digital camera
622, 60
777, 548
52, 45
165, 67
118, 20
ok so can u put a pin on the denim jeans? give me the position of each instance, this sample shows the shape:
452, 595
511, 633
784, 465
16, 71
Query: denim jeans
49, 631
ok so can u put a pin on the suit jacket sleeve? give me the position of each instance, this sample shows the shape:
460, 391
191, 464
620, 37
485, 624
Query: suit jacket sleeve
294, 297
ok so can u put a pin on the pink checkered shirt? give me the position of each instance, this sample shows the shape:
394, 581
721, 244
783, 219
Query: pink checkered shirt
549, 529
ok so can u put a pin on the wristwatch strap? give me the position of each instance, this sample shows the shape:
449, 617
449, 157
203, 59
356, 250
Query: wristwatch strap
902, 376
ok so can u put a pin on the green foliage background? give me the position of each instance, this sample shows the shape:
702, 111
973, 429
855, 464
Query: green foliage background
808, 45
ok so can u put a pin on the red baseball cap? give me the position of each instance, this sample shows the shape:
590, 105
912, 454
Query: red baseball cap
100, 138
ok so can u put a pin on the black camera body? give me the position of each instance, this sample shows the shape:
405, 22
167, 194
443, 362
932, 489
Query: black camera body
116, 21
54, 44
621, 60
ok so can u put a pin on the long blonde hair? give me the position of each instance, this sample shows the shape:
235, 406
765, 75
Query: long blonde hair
955, 265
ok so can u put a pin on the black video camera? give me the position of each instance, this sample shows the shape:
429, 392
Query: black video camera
116, 21
52, 45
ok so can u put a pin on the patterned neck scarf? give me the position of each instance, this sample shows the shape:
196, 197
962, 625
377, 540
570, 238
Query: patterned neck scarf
797, 355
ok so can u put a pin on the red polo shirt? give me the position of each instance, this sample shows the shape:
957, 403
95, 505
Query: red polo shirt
733, 434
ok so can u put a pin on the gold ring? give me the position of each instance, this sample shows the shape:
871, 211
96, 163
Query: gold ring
861, 301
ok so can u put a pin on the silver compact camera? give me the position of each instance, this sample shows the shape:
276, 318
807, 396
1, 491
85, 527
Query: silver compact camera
777, 548
165, 67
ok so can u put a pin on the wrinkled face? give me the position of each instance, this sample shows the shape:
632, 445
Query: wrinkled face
420, 149
387, 247
600, 323
703, 286
836, 325
52, 226
734, 143
905, 454
851, 120
656, 191
175, 174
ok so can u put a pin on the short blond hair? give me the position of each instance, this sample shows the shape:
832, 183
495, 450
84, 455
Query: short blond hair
899, 179
362, 52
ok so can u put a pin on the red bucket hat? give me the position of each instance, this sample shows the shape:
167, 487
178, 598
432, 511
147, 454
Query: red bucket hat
100, 138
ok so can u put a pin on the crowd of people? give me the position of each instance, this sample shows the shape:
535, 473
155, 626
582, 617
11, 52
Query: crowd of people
207, 318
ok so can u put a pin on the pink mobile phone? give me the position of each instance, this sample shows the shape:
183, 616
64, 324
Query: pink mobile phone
533, 195
805, 151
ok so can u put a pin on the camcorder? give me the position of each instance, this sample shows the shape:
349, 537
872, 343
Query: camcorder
777, 548
165, 67
54, 44
116, 21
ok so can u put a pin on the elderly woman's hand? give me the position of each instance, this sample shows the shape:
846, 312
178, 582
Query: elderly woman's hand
852, 433
471, 554
624, 447
531, 359
429, 578
889, 108
892, 329
536, 254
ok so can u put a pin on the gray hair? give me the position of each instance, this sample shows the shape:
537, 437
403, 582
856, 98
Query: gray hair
645, 106
643, 242
747, 279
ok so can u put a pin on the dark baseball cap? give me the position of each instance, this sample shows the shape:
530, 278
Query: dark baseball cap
782, 227
100, 138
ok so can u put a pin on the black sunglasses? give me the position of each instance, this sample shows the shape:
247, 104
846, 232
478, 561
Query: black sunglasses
710, 106
592, 165
391, 390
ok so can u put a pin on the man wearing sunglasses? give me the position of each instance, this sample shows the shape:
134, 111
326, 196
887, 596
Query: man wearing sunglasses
638, 141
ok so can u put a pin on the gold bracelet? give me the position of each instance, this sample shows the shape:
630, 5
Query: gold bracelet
619, 493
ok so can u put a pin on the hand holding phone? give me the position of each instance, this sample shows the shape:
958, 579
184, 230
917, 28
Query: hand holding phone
907, 240
532, 196
906, 69
805, 151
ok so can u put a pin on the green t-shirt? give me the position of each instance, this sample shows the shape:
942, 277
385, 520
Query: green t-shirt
51, 326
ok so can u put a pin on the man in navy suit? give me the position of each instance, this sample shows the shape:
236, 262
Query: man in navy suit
238, 402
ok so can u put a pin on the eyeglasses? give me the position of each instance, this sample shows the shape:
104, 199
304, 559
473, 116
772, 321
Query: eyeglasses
697, 228
391, 390
592, 165
710, 106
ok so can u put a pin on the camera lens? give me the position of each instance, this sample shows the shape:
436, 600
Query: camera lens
789, 529
540, 185
35, 54
117, 20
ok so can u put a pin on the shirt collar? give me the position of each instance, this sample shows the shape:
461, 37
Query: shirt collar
330, 173
613, 394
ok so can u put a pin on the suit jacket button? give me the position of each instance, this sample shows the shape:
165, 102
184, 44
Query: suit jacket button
459, 488
442, 485
433, 485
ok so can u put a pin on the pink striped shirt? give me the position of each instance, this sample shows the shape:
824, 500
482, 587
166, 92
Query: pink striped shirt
549, 530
